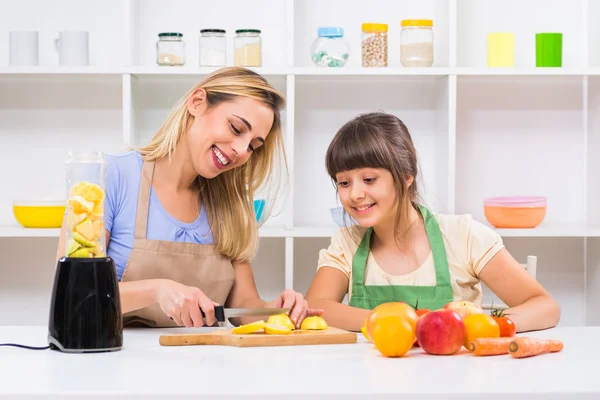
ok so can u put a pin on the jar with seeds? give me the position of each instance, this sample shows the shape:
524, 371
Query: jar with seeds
374, 45
416, 43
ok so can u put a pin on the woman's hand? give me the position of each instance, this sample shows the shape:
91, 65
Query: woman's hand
297, 304
183, 303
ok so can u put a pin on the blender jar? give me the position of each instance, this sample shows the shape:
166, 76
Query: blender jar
86, 183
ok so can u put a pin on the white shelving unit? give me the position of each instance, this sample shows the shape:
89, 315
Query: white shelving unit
479, 131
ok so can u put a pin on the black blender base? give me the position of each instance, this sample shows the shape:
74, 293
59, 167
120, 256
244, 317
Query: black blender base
85, 313
55, 345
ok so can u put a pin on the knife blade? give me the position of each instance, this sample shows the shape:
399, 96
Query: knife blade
222, 313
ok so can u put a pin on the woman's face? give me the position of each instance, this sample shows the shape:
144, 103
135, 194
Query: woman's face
223, 137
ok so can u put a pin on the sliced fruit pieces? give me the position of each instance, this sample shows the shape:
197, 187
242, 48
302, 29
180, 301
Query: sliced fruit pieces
80, 205
87, 229
78, 237
76, 218
273, 329
281, 320
314, 323
84, 252
73, 245
98, 228
249, 328
89, 191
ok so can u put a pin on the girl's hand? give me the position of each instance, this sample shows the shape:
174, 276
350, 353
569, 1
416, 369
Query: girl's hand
183, 304
297, 304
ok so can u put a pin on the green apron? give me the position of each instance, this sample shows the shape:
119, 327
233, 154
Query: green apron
430, 297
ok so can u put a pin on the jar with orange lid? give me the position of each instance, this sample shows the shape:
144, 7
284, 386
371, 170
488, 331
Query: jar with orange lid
374, 45
416, 43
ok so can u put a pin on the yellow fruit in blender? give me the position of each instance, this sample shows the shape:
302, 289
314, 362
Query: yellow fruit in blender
80, 205
89, 191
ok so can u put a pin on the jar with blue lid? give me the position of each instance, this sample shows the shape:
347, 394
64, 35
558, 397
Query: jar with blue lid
330, 49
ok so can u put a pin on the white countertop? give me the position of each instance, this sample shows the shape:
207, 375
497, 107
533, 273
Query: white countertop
151, 371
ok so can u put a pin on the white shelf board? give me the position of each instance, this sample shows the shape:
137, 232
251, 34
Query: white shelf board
550, 230
61, 70
145, 71
149, 71
553, 230
17, 231
465, 71
316, 71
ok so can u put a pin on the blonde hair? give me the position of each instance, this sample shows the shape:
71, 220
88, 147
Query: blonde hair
228, 198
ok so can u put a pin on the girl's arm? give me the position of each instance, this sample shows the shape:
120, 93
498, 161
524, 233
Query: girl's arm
327, 292
530, 306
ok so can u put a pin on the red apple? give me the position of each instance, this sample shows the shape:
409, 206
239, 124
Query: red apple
464, 308
441, 332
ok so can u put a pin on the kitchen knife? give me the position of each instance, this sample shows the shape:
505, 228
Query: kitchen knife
222, 313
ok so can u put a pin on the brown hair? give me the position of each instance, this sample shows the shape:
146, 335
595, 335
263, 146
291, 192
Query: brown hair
229, 197
378, 140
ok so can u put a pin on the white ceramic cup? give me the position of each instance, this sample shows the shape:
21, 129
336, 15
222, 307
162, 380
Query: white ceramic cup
24, 47
72, 47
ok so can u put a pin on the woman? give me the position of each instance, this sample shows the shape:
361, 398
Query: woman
179, 212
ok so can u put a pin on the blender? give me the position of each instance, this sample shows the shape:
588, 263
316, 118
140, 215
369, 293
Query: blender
85, 310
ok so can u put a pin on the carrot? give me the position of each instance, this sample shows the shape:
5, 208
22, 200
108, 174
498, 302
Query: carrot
490, 346
527, 347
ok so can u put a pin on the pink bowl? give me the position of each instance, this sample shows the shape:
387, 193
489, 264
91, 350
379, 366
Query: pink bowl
515, 201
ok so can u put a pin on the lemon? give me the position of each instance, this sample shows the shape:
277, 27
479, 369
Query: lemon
314, 323
277, 330
249, 328
281, 320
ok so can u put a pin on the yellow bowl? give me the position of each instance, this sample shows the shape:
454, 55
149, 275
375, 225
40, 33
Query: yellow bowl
39, 214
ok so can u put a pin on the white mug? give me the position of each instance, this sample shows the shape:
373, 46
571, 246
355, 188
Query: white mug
72, 47
23, 48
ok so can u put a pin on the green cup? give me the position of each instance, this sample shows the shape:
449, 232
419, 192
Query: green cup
548, 49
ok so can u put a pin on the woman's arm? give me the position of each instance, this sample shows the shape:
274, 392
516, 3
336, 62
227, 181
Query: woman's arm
327, 292
531, 306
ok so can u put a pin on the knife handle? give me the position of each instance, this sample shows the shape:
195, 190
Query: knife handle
219, 313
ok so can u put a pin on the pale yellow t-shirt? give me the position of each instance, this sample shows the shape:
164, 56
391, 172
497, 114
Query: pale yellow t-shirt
469, 246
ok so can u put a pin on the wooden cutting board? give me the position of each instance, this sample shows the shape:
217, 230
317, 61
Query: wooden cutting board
226, 338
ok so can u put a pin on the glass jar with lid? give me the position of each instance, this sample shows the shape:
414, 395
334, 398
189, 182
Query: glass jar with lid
416, 43
374, 45
247, 45
213, 48
329, 49
170, 49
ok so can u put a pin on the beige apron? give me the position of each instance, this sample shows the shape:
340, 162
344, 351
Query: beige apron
191, 264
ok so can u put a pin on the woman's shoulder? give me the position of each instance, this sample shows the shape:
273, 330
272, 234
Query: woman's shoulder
124, 160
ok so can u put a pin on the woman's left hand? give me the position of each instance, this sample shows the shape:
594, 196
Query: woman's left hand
297, 304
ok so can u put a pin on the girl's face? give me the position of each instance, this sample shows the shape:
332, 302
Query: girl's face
223, 137
368, 195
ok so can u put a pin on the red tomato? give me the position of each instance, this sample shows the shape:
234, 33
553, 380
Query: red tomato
507, 326
421, 311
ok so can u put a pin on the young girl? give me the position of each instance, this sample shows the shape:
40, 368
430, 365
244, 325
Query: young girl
400, 250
